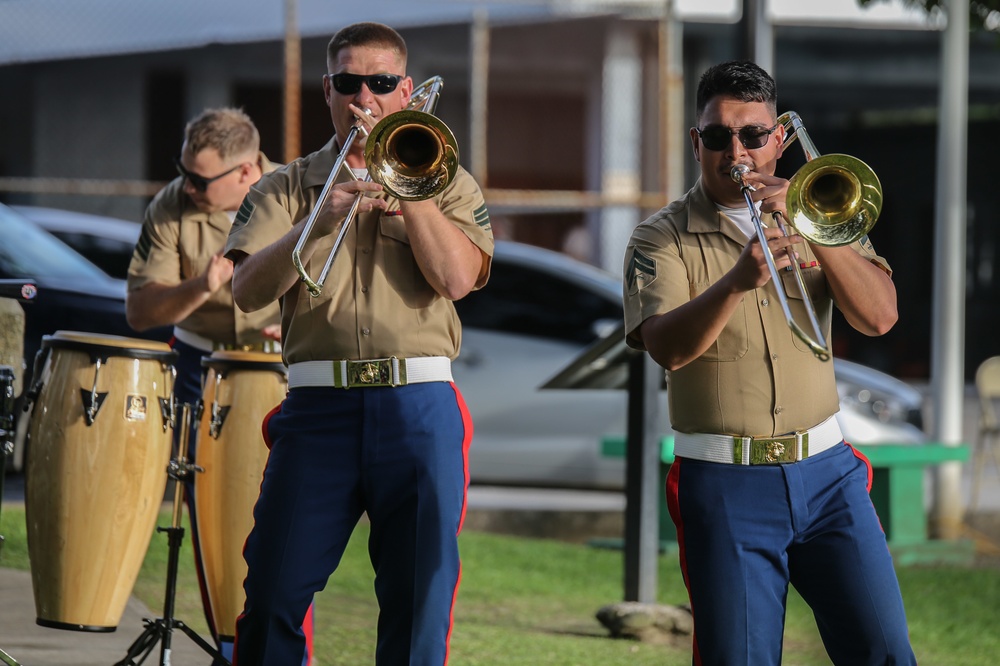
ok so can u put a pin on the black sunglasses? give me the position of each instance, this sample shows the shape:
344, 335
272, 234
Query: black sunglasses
350, 84
200, 183
718, 137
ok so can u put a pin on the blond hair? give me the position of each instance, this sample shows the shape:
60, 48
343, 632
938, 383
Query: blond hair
229, 131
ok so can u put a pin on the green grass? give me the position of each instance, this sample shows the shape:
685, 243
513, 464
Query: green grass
532, 602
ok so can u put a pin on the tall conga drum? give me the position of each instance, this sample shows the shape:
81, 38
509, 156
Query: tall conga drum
99, 447
239, 389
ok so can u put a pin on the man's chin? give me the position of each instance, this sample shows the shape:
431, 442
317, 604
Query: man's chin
204, 206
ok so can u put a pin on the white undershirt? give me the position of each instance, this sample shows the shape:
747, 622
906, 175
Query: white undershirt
741, 218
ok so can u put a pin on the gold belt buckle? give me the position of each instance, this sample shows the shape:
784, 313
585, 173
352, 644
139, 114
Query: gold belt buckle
772, 450
374, 372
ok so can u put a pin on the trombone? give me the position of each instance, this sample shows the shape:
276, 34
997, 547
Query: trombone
832, 200
411, 153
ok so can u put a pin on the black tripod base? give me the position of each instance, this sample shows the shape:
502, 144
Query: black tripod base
156, 631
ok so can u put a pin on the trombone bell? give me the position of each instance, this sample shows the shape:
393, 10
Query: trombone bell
834, 199
412, 154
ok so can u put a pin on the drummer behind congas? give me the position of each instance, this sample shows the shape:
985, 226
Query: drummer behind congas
178, 275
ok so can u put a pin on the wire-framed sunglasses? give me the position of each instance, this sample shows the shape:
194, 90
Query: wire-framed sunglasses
350, 84
718, 137
200, 183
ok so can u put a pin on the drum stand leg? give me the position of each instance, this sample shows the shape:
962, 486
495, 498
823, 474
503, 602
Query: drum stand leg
161, 629
6, 445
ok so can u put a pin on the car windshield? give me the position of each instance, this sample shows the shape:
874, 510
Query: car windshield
29, 252
528, 300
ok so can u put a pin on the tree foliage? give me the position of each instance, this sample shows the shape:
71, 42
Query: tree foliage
983, 14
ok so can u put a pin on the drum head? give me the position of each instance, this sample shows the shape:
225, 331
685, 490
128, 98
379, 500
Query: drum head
225, 361
103, 346
251, 356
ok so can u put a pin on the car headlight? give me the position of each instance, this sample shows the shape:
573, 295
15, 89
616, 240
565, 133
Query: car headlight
879, 405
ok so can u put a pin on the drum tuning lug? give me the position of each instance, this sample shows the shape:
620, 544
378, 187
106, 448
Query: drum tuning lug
92, 402
219, 414
167, 413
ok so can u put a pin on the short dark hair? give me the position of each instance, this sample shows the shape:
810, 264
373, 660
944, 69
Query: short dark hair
367, 34
740, 79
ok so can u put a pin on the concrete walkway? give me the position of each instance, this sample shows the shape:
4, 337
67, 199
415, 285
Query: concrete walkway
31, 645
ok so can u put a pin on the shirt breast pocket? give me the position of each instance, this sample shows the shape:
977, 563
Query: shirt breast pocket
401, 269
734, 340
815, 284
391, 225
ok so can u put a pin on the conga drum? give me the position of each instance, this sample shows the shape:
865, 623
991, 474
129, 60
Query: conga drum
99, 447
239, 389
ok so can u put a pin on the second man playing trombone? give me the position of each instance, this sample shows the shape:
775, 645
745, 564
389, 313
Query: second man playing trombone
372, 422
764, 491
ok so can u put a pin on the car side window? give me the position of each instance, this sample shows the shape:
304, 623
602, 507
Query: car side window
528, 301
110, 255
27, 250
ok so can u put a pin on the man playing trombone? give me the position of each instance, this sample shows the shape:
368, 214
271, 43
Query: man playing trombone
373, 422
764, 491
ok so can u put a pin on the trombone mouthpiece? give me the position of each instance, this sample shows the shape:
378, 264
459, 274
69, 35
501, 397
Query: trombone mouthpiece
361, 125
738, 172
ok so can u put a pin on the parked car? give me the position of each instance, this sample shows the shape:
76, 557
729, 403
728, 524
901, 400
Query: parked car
106, 241
540, 310
73, 294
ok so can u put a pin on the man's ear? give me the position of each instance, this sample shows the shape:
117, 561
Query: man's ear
779, 137
695, 144
327, 89
406, 91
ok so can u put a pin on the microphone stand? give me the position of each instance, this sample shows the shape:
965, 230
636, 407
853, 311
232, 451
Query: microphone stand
161, 629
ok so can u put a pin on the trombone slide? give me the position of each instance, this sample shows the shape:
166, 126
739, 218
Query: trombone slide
818, 345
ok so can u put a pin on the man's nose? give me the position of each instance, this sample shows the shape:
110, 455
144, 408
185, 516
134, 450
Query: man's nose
364, 96
736, 146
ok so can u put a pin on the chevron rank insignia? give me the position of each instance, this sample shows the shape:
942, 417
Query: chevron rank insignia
482, 217
243, 214
640, 272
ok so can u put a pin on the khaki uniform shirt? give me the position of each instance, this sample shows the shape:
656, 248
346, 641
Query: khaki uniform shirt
375, 302
177, 242
757, 379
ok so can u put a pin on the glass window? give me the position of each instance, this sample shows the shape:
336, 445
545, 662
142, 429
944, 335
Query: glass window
29, 252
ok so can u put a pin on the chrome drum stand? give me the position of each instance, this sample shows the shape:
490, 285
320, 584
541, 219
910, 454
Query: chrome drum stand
161, 629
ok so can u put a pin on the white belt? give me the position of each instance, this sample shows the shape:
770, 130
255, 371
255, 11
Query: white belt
738, 450
372, 372
194, 340
201, 343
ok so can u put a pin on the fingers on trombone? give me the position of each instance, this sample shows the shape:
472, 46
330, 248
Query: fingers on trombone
368, 203
363, 187
364, 114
